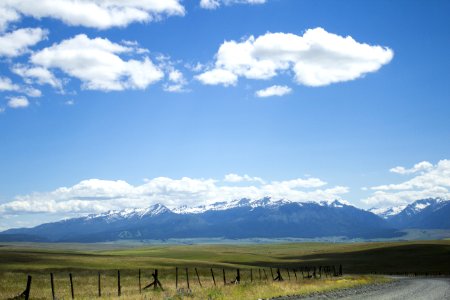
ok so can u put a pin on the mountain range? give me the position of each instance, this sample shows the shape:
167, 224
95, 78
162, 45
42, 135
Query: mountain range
239, 219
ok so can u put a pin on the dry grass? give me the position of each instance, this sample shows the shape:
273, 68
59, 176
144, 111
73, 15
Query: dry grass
85, 285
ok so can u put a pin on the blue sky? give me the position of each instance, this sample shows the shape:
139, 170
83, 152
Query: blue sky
153, 122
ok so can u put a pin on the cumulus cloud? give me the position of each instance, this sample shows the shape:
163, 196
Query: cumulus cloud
17, 42
18, 102
244, 178
39, 75
32, 92
274, 90
422, 166
177, 82
96, 195
218, 76
7, 85
7, 16
96, 62
316, 58
428, 181
100, 14
213, 4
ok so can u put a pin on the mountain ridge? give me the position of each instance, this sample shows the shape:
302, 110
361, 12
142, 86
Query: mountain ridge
242, 218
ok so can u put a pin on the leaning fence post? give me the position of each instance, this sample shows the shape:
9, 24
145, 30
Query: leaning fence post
140, 289
212, 274
53, 286
289, 275
71, 286
99, 285
224, 280
265, 275
118, 283
271, 273
198, 277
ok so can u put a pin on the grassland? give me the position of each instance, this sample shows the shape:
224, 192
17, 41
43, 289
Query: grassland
84, 262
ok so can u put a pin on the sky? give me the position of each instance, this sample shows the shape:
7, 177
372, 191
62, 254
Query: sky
107, 104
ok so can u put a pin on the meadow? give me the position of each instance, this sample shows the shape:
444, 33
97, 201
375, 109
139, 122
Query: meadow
359, 260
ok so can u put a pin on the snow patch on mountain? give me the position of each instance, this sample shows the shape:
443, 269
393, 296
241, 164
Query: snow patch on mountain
387, 212
128, 213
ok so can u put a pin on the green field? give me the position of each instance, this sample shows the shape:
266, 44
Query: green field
84, 261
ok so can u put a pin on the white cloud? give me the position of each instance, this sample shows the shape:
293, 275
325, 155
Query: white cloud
274, 90
2, 110
7, 85
17, 42
96, 62
70, 102
7, 16
218, 76
213, 4
18, 102
32, 92
96, 195
429, 181
422, 166
245, 178
100, 14
317, 58
177, 82
38, 74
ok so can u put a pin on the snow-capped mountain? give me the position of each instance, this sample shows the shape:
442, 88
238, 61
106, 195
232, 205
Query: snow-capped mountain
431, 213
387, 212
244, 218
244, 202
129, 213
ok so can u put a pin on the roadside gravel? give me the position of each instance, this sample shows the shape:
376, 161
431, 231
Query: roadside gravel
399, 288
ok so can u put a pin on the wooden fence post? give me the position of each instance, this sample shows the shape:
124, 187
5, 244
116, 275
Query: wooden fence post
212, 274
237, 280
176, 278
187, 278
198, 277
26, 293
71, 286
289, 275
118, 283
99, 285
251, 275
140, 287
259, 270
53, 286
224, 280
295, 274
271, 273
265, 275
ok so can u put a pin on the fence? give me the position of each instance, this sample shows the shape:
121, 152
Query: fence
229, 276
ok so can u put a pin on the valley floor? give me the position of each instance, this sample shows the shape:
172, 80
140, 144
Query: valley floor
86, 261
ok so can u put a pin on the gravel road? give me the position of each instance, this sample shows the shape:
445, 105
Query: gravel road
401, 288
